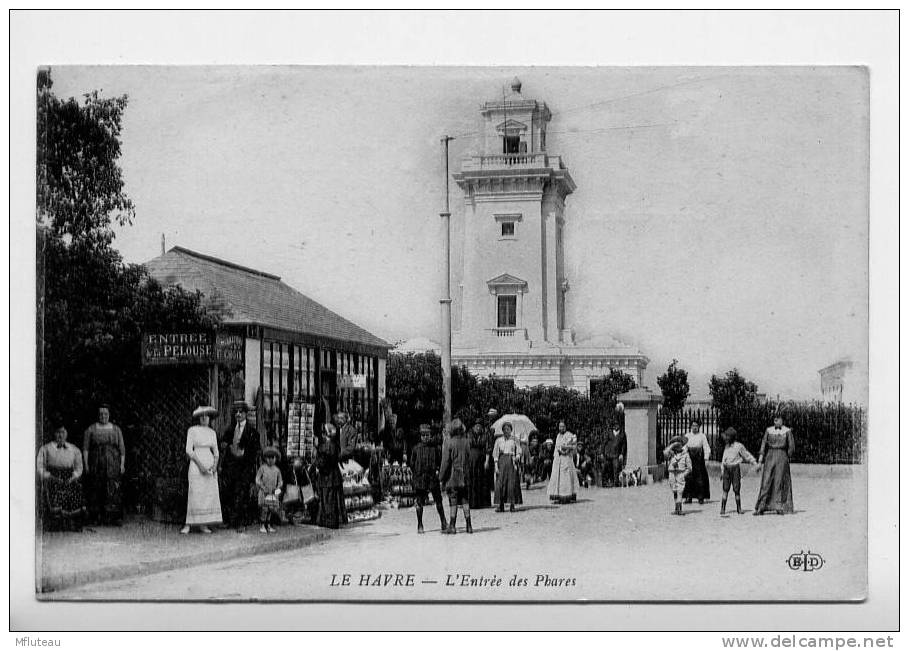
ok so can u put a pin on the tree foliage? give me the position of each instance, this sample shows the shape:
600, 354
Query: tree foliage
674, 387
730, 393
79, 180
414, 393
95, 306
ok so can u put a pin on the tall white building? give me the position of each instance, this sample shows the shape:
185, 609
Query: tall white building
512, 291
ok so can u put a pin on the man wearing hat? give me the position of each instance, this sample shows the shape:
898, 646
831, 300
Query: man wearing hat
239, 457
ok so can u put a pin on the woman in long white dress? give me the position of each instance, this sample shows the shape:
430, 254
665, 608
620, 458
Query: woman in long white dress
203, 504
563, 483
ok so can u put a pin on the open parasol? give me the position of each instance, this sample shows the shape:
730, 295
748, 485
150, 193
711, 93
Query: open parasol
522, 426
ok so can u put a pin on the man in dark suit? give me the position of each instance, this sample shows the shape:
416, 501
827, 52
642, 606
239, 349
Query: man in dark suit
237, 468
614, 451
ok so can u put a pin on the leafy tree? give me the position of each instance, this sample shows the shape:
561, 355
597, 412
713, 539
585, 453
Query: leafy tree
730, 394
95, 306
674, 386
413, 388
79, 181
617, 382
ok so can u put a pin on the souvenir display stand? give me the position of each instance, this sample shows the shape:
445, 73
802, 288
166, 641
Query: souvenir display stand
358, 500
398, 483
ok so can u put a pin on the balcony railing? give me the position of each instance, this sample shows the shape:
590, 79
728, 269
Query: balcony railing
509, 332
512, 161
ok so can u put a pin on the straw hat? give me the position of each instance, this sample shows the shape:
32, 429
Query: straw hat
492, 412
205, 410
678, 440
271, 451
730, 434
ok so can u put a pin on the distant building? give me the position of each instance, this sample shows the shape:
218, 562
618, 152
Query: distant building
513, 288
844, 381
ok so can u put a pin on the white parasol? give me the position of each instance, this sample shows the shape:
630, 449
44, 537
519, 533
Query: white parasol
521, 424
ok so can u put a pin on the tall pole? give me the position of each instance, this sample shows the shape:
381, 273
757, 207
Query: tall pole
445, 301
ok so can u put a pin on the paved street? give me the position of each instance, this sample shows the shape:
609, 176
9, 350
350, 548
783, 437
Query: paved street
616, 544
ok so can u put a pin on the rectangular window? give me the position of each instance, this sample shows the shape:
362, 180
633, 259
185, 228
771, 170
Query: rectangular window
508, 308
510, 144
507, 229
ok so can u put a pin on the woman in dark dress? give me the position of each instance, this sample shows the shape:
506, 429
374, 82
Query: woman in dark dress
478, 466
327, 482
697, 483
105, 462
777, 447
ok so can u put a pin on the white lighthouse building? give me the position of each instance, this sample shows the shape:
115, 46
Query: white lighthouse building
513, 289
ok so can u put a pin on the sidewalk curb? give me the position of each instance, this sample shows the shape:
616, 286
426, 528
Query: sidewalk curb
64, 580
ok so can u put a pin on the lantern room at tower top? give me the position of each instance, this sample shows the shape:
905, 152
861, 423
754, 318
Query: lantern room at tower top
510, 302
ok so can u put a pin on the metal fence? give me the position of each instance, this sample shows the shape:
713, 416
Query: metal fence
824, 432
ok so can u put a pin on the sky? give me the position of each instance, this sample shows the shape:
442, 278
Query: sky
720, 216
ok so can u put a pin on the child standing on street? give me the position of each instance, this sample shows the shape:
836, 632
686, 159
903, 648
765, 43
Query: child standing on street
269, 482
454, 474
733, 455
679, 465
425, 459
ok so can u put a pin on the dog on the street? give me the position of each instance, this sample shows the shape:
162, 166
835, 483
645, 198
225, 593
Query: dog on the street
630, 477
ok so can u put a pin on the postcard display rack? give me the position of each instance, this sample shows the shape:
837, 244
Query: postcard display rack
301, 440
358, 499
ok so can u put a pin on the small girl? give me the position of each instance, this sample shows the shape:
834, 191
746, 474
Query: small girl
733, 455
679, 465
269, 482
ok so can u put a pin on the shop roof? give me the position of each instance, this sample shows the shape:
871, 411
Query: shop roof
248, 296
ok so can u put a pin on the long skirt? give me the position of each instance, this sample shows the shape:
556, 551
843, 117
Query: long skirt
103, 483
776, 483
203, 504
63, 499
332, 513
697, 483
476, 480
563, 483
508, 482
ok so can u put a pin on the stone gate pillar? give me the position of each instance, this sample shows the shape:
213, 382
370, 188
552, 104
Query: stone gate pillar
640, 427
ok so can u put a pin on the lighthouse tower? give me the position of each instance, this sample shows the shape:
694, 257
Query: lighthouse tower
513, 283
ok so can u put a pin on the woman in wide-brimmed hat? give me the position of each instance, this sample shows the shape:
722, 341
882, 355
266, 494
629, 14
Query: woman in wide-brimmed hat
203, 505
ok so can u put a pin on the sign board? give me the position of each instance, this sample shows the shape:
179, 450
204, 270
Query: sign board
353, 381
191, 348
229, 349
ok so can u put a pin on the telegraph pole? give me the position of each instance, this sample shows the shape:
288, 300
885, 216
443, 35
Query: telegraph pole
445, 301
